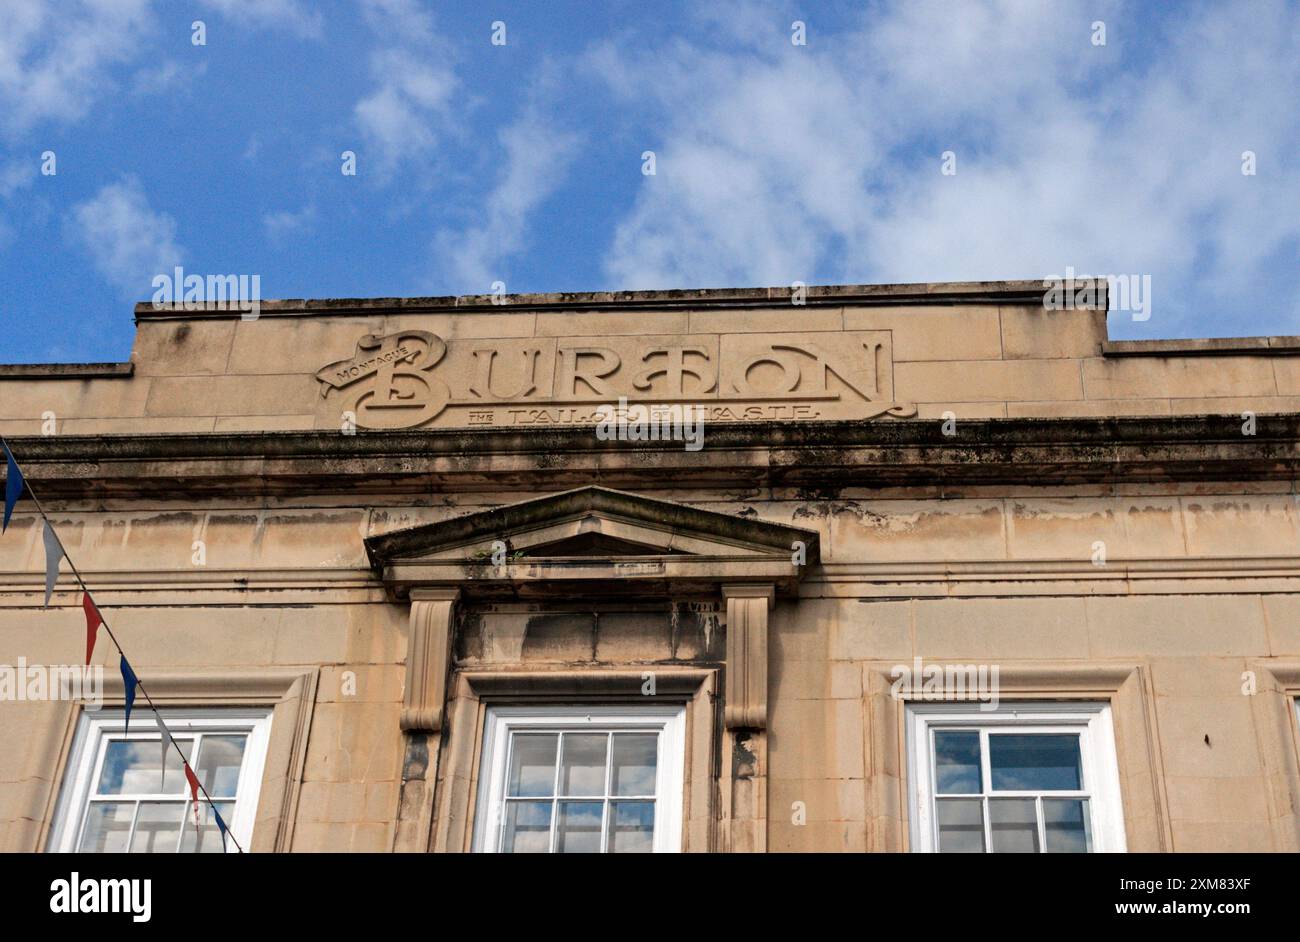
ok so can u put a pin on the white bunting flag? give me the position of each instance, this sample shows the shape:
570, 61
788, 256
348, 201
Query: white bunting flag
53, 555
167, 740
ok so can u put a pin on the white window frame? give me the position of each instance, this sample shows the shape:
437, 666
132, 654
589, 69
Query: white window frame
669, 721
1092, 721
89, 748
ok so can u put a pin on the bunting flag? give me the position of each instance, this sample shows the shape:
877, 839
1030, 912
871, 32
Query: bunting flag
53, 555
221, 826
13, 486
165, 737
194, 801
129, 681
93, 621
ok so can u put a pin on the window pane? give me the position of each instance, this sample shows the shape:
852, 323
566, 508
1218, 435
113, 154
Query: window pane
1034, 761
532, 764
579, 827
632, 827
158, 827
1069, 830
108, 826
635, 758
528, 827
209, 834
131, 767
957, 763
582, 766
1014, 823
961, 825
218, 765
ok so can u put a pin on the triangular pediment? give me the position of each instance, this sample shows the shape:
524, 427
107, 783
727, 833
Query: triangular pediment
592, 534
594, 544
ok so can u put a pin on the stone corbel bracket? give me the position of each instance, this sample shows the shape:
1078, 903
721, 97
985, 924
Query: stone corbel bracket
428, 660
747, 610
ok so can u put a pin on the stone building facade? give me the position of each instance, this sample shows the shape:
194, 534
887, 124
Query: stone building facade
941, 569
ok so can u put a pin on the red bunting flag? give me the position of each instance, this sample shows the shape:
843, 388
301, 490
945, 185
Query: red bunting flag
194, 796
93, 621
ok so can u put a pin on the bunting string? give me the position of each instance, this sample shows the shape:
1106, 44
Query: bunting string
15, 485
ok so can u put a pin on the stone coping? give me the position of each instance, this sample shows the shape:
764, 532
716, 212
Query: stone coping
66, 370
966, 292
1209, 346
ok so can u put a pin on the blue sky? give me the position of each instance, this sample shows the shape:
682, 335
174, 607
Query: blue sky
523, 163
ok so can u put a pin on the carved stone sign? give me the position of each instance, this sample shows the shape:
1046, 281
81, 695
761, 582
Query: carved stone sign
391, 378
414, 378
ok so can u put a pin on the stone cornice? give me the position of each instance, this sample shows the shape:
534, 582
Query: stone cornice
819, 458
884, 579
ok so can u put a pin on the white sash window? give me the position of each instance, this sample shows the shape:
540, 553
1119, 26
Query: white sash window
124, 793
1026, 777
581, 779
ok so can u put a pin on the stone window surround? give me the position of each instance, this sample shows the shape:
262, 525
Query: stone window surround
1278, 721
1126, 687
680, 549
437, 772
96, 729
290, 693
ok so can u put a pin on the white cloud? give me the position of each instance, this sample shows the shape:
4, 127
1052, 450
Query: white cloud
16, 174
750, 182
166, 76
420, 105
55, 58
128, 242
537, 154
289, 14
58, 57
400, 120
780, 163
282, 225
1140, 173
